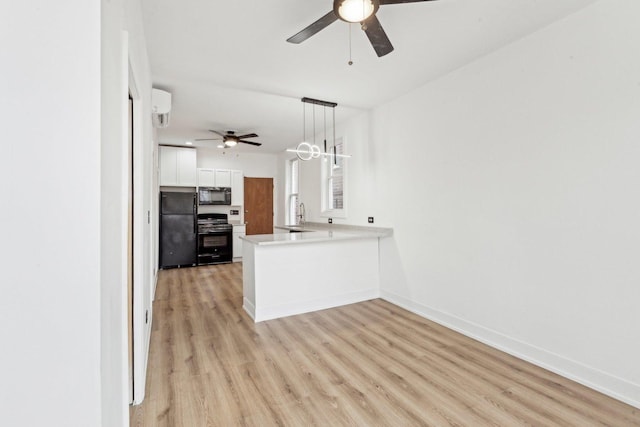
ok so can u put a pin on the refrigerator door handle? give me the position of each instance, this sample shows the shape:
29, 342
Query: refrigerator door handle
195, 217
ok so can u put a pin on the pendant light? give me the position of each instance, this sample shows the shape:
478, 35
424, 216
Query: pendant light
307, 151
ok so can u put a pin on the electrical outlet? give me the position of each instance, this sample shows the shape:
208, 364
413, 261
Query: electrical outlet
370, 220
330, 220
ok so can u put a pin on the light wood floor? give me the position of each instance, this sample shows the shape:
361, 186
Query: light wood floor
367, 364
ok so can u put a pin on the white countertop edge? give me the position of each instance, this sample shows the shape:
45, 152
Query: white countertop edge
312, 237
318, 226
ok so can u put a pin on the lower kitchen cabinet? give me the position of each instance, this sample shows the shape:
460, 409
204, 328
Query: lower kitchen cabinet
238, 230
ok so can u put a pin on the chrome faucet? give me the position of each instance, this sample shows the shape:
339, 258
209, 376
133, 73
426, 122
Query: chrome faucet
302, 215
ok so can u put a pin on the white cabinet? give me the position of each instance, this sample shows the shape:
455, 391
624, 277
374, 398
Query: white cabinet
206, 178
237, 188
223, 178
214, 177
177, 166
238, 230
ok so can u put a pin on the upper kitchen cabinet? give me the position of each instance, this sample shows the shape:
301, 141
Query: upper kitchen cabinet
223, 178
206, 178
214, 177
177, 166
237, 188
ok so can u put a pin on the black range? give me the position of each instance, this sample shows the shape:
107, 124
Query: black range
215, 239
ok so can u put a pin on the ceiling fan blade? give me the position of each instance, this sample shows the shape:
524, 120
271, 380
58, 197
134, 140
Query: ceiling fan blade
257, 144
401, 1
207, 139
249, 135
320, 24
378, 38
217, 133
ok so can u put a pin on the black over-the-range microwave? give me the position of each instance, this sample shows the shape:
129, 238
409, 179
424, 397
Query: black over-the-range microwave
214, 195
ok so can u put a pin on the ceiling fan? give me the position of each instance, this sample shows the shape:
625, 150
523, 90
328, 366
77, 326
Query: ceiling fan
230, 139
362, 11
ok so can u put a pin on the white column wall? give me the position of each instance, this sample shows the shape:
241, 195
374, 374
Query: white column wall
50, 310
64, 85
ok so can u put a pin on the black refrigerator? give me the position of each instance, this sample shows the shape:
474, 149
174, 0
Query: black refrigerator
178, 229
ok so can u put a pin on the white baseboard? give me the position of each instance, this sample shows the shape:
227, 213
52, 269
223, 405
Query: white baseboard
284, 310
603, 382
155, 286
249, 308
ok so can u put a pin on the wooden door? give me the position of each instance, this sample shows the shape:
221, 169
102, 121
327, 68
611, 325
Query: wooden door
258, 205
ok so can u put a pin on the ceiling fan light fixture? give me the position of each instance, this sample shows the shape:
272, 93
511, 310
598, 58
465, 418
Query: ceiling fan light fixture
231, 142
354, 10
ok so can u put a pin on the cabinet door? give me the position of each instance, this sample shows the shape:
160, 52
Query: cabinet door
223, 178
187, 167
237, 242
237, 188
206, 178
168, 165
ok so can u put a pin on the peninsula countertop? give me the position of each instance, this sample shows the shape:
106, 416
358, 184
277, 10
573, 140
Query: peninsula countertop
317, 232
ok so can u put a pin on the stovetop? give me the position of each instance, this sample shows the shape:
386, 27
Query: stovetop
209, 223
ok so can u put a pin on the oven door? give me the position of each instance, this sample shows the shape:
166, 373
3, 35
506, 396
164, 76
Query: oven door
214, 247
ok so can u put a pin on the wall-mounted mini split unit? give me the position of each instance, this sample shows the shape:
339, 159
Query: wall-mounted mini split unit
160, 108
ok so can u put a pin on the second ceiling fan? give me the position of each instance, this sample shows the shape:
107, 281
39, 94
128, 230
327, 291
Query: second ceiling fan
352, 11
230, 139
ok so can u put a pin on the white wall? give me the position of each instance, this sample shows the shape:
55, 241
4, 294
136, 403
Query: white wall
50, 311
519, 227
509, 185
64, 305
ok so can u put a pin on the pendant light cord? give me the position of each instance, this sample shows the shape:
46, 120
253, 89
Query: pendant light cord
324, 111
304, 122
350, 59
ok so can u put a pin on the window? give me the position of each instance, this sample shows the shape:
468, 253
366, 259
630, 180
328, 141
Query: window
293, 199
333, 182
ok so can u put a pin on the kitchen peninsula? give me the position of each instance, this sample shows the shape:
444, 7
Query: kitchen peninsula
315, 267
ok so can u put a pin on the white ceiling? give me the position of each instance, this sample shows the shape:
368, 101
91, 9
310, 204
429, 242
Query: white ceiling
228, 66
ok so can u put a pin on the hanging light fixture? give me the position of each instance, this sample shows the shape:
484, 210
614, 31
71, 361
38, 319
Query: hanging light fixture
306, 150
355, 10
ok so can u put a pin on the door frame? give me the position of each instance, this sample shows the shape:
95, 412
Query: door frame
140, 317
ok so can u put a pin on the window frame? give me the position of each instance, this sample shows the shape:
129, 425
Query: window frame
291, 195
327, 175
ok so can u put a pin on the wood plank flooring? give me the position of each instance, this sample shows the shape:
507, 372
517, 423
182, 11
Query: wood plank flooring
366, 364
